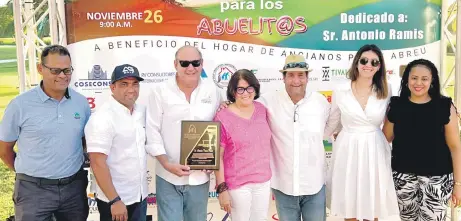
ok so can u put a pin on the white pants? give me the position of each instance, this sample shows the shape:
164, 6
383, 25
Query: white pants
250, 202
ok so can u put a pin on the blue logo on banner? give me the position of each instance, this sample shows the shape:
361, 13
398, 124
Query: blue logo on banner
203, 75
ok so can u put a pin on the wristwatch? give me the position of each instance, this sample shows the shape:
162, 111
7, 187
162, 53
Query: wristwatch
114, 200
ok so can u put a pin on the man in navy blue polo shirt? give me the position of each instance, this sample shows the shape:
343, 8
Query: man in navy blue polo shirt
47, 124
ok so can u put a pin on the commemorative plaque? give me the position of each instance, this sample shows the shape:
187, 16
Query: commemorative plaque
200, 145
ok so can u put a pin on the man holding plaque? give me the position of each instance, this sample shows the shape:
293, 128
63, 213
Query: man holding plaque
116, 145
179, 114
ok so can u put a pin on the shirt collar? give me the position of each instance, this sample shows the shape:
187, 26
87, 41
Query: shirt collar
44, 97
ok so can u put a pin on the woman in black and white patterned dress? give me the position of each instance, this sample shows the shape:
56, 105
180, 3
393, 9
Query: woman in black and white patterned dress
426, 149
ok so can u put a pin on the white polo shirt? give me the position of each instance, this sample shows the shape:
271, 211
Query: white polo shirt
167, 107
298, 154
115, 132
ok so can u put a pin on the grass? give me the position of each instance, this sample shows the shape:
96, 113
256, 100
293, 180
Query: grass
7, 52
12, 41
7, 41
8, 90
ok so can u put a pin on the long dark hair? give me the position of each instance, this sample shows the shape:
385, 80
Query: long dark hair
379, 79
434, 89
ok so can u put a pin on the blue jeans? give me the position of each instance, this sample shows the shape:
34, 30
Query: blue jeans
182, 202
310, 207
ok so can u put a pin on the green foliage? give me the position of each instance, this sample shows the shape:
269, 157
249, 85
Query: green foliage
12, 41
6, 22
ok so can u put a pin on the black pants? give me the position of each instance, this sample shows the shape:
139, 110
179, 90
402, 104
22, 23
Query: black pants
136, 211
39, 202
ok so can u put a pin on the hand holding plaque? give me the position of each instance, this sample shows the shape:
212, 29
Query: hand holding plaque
200, 145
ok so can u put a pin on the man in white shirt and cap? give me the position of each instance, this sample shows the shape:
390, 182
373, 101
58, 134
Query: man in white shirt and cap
182, 194
115, 137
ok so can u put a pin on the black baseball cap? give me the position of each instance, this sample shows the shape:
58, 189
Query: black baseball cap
125, 71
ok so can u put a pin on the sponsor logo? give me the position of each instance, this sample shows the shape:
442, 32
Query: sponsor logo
128, 70
222, 74
203, 74
265, 80
91, 102
327, 95
213, 194
329, 74
192, 129
151, 199
97, 80
97, 73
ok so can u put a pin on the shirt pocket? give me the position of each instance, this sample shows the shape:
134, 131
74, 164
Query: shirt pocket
204, 111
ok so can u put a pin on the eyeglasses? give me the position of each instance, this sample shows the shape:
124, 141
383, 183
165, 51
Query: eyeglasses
296, 65
185, 64
374, 62
57, 71
249, 89
296, 115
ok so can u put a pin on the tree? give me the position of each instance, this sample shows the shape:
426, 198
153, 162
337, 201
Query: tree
7, 21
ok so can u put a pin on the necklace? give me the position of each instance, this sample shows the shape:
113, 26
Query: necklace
362, 98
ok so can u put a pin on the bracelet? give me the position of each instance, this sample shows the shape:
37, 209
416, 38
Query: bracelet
114, 200
457, 183
222, 187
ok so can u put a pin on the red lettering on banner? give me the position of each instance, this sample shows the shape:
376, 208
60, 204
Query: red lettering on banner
91, 102
284, 25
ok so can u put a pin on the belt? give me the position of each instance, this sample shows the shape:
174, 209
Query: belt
45, 181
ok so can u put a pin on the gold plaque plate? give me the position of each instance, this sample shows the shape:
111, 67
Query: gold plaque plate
200, 145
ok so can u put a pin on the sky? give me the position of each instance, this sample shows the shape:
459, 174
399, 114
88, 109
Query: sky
3, 2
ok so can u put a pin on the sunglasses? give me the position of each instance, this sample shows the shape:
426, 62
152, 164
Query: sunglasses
374, 62
185, 64
296, 65
249, 89
57, 71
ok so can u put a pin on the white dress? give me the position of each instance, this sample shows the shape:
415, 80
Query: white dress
360, 180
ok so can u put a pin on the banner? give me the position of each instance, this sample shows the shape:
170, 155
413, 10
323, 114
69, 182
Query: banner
255, 35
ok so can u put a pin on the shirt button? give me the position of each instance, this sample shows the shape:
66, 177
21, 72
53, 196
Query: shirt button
60, 115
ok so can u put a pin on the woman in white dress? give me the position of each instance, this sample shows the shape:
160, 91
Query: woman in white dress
361, 182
